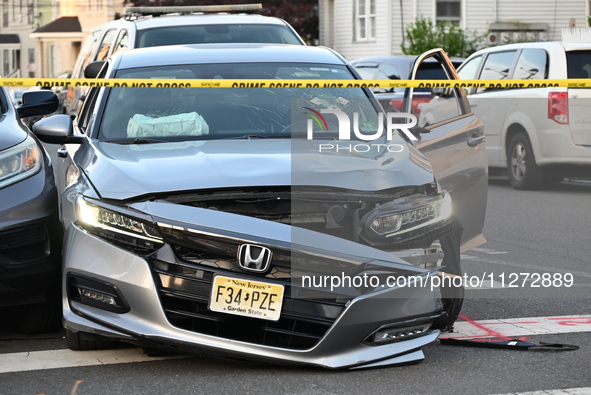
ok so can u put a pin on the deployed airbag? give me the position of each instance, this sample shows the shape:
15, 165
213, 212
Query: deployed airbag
186, 124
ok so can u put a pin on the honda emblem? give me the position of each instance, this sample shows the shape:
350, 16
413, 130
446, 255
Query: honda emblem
254, 258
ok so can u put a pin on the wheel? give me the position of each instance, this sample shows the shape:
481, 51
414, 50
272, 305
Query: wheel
43, 317
452, 297
522, 169
82, 341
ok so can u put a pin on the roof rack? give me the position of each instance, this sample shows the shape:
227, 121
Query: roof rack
162, 10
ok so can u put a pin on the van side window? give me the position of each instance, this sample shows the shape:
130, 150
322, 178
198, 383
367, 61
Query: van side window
122, 42
578, 64
497, 66
86, 53
469, 69
105, 47
532, 65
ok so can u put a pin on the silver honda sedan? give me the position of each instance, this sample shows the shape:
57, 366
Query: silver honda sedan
281, 220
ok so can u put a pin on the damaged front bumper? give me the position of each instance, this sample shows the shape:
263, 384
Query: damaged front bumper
159, 299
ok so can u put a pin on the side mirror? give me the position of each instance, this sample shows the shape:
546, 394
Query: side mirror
58, 129
41, 102
93, 69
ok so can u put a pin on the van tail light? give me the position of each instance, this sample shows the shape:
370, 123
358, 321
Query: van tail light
558, 107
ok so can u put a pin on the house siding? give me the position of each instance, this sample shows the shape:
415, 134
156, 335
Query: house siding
477, 18
344, 33
556, 14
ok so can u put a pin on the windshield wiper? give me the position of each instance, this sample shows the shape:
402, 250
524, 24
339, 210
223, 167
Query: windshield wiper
252, 136
137, 141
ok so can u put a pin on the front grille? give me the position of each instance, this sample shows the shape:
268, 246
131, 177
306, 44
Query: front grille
220, 253
23, 245
184, 291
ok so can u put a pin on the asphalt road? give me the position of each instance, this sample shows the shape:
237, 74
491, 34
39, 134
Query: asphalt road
529, 233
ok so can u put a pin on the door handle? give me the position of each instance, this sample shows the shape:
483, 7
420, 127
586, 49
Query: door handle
476, 139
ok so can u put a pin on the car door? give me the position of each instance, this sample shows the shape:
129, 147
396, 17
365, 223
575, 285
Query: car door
453, 141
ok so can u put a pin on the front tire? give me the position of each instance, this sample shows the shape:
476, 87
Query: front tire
524, 173
452, 296
45, 317
82, 341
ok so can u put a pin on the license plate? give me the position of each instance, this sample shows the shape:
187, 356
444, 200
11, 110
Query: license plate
247, 298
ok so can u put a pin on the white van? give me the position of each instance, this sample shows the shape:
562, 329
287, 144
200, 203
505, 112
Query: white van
157, 26
538, 134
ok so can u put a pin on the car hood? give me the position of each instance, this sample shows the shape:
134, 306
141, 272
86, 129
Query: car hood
120, 171
10, 135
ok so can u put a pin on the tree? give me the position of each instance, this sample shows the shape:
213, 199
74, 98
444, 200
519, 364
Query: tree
301, 14
423, 35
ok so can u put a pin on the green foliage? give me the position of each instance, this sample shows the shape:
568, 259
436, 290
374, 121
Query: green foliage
423, 35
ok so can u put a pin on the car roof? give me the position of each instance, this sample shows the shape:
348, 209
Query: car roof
399, 59
149, 22
548, 45
205, 19
402, 62
225, 53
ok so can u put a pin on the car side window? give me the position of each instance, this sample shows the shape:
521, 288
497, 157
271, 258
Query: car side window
531, 65
497, 66
389, 71
105, 47
367, 72
87, 110
122, 42
435, 105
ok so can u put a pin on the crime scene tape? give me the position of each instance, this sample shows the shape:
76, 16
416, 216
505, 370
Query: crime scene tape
292, 83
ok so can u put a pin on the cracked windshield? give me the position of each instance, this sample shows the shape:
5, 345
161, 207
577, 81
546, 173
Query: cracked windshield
251, 110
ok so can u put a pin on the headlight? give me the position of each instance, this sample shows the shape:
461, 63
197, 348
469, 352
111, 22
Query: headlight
19, 162
121, 229
404, 221
405, 215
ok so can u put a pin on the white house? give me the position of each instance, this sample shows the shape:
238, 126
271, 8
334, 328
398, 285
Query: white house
60, 40
361, 28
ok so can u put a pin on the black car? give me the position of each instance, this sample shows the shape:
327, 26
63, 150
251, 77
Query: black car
30, 234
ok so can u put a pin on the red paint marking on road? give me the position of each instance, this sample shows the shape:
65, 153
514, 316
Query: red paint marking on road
504, 323
489, 331
568, 318
573, 323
